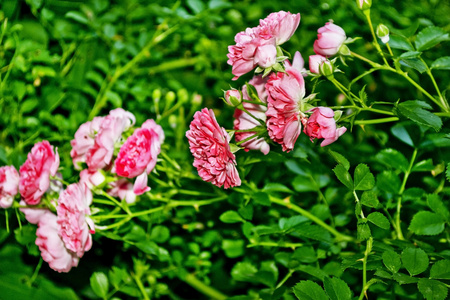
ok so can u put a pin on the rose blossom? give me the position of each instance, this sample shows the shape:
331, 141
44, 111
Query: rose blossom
280, 25
73, 211
100, 154
32, 214
123, 189
314, 63
9, 184
35, 173
321, 125
92, 178
84, 139
285, 93
244, 121
137, 156
52, 248
329, 39
209, 144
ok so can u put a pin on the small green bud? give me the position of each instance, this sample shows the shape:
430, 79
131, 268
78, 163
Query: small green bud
364, 4
327, 69
182, 95
383, 33
170, 97
156, 95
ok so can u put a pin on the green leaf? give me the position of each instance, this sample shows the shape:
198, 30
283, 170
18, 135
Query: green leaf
406, 132
276, 187
304, 183
261, 198
410, 54
432, 289
99, 284
392, 261
379, 220
314, 232
392, 159
233, 248
114, 98
292, 222
340, 159
309, 290
244, 271
364, 179
344, 176
415, 111
370, 199
442, 63
77, 16
246, 212
363, 231
436, 205
160, 234
400, 42
427, 223
337, 289
404, 279
415, 260
231, 216
447, 172
441, 269
430, 37
305, 254
389, 182
414, 63
423, 166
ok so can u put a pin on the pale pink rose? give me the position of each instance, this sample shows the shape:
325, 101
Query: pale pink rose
33, 214
329, 39
244, 121
209, 144
314, 63
73, 218
84, 139
280, 25
246, 55
138, 155
9, 185
123, 189
92, 178
99, 155
42, 162
285, 93
321, 125
52, 248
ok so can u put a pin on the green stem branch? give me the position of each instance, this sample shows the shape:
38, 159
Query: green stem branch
202, 287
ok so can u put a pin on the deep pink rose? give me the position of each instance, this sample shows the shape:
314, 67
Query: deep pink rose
35, 173
123, 189
329, 39
321, 125
285, 93
84, 139
244, 121
209, 144
137, 156
279, 25
52, 248
314, 63
73, 218
100, 154
9, 184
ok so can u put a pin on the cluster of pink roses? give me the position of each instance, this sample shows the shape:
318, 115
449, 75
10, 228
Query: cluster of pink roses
64, 237
270, 108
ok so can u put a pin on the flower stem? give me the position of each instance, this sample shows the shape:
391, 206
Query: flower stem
286, 203
273, 244
288, 275
441, 98
202, 287
376, 121
140, 286
364, 261
343, 90
36, 272
375, 40
357, 201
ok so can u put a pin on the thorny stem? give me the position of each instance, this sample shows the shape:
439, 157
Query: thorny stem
364, 261
376, 121
441, 98
357, 201
286, 203
343, 90
397, 225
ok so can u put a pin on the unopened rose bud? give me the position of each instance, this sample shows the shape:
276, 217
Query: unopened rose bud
344, 50
383, 33
327, 69
364, 4
233, 97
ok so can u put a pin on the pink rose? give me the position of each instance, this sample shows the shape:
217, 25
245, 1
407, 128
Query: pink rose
33, 214
92, 178
321, 125
73, 218
246, 55
329, 39
35, 173
9, 184
314, 63
285, 93
280, 25
100, 154
209, 144
123, 189
84, 139
233, 97
52, 248
137, 156
244, 121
